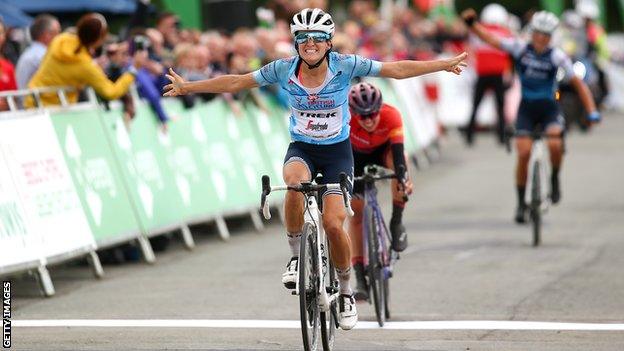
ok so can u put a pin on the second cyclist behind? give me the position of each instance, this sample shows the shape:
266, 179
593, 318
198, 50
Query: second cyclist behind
377, 139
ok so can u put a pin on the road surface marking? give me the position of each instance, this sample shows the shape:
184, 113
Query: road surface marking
293, 324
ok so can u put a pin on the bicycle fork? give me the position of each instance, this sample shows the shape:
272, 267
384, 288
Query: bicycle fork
312, 216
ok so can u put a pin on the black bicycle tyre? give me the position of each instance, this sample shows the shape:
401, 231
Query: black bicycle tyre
375, 273
308, 289
386, 286
329, 325
536, 203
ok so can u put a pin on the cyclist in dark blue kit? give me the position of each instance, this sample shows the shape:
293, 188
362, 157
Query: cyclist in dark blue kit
537, 64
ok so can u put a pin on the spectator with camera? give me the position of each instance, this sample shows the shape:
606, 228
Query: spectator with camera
70, 63
147, 80
117, 55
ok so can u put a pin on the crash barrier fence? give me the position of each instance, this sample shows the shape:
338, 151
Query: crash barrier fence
80, 177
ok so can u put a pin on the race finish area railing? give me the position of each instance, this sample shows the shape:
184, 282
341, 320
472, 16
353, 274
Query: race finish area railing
77, 178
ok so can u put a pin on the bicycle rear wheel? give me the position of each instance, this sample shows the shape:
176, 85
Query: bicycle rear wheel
308, 288
536, 204
329, 319
374, 269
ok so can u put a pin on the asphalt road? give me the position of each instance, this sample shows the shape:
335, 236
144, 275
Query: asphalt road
467, 261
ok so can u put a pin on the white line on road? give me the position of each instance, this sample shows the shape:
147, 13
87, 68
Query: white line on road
290, 324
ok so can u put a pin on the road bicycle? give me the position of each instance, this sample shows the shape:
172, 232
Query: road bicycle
379, 258
536, 195
317, 282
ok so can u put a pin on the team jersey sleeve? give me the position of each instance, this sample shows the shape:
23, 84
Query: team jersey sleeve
396, 126
364, 67
560, 59
513, 46
271, 72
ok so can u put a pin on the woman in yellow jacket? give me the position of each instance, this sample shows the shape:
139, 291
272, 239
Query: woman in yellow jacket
68, 62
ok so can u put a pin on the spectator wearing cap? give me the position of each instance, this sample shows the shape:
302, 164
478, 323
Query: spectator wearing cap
43, 29
69, 63
7, 71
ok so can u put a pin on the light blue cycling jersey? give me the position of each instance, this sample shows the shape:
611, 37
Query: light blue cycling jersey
538, 72
319, 115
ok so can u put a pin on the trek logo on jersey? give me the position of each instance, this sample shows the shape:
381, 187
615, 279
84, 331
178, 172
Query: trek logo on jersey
318, 114
318, 124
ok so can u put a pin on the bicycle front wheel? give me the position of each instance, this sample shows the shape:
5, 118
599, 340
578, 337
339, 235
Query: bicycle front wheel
329, 319
536, 204
309, 281
375, 269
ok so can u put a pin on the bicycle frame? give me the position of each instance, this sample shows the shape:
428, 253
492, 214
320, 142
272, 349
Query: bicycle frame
312, 215
371, 204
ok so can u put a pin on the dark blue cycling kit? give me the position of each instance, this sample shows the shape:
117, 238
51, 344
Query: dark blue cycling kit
538, 77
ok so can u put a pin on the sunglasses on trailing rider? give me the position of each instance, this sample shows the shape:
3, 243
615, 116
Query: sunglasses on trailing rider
369, 116
317, 37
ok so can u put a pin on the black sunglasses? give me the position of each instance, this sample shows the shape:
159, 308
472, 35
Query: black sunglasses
369, 116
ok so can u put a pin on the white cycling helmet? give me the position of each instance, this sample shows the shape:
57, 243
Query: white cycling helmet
545, 22
494, 14
587, 9
572, 19
312, 19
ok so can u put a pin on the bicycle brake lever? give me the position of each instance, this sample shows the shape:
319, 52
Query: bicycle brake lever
348, 207
266, 190
266, 211
345, 194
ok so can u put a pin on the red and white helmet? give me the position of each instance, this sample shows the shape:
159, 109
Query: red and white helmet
365, 99
312, 20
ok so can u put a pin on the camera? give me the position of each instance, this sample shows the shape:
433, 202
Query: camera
141, 42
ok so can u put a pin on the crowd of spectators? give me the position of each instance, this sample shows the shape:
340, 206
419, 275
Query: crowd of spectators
195, 55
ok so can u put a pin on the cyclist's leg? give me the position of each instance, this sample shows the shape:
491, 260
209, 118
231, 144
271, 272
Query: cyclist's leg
360, 160
499, 92
334, 215
294, 172
525, 124
297, 168
355, 231
357, 248
397, 229
336, 159
554, 128
479, 91
355, 227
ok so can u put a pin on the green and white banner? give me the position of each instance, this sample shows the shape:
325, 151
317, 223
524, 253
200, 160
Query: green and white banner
41, 179
18, 244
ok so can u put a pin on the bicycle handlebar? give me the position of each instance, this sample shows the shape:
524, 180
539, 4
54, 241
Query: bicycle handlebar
371, 175
304, 188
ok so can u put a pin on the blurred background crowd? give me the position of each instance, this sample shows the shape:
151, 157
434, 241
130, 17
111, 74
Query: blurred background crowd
153, 37
386, 30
